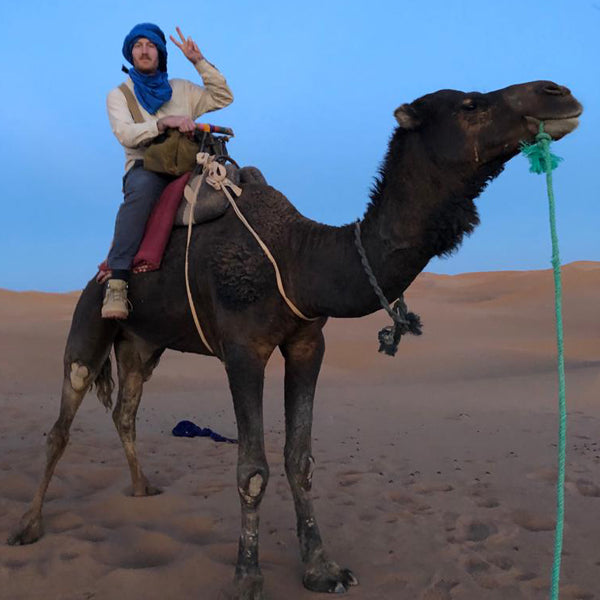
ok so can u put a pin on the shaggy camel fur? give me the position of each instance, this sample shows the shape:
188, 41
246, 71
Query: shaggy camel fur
447, 147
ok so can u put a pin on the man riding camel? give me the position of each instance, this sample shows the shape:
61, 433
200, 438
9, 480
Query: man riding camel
164, 103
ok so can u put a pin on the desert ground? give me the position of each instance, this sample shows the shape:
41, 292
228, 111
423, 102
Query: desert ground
435, 475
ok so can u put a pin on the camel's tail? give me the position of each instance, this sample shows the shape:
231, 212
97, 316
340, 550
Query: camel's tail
105, 384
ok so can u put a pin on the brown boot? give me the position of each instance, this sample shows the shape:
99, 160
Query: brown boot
115, 305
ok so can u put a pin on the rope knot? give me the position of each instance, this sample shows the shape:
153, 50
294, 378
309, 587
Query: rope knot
216, 175
541, 160
203, 158
543, 136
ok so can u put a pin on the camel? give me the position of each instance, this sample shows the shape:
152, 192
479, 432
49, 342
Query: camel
447, 146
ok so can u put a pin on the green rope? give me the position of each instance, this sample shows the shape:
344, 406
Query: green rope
542, 160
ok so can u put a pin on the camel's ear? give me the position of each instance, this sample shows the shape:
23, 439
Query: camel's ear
407, 117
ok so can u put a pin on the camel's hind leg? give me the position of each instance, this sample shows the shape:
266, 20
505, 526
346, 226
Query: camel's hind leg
303, 356
135, 362
86, 361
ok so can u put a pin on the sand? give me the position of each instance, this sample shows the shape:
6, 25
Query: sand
435, 475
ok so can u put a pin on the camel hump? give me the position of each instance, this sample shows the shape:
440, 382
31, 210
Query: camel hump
211, 203
252, 175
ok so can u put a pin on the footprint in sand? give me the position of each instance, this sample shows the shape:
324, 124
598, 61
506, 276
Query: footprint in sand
349, 478
133, 548
84, 481
480, 492
588, 488
367, 517
504, 563
527, 576
426, 489
533, 522
192, 529
62, 522
469, 529
14, 563
487, 503
479, 570
478, 489
549, 475
223, 554
90, 533
440, 590
66, 556
574, 592
412, 505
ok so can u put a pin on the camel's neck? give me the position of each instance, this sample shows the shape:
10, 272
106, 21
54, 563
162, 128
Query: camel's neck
332, 280
419, 210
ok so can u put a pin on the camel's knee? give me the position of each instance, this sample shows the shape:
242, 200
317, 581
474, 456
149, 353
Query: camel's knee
252, 483
58, 438
300, 471
124, 421
79, 377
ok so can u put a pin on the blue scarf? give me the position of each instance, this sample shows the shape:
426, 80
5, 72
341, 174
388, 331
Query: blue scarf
152, 91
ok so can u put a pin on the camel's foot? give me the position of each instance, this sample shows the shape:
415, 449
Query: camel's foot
143, 488
249, 587
324, 575
30, 530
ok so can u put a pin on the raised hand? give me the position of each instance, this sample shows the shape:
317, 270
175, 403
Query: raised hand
188, 47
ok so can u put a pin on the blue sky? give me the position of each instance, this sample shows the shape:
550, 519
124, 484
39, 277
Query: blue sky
315, 85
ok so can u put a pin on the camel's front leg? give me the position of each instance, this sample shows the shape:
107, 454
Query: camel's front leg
245, 371
303, 358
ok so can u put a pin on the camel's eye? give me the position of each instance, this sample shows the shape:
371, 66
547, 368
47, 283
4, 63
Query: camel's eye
469, 104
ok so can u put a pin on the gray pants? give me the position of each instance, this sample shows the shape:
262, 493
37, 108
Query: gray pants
141, 189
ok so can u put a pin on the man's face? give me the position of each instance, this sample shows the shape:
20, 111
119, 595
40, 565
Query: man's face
145, 56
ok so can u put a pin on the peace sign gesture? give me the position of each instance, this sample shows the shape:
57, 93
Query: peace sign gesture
188, 47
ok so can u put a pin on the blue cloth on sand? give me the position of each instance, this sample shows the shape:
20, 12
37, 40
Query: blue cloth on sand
189, 429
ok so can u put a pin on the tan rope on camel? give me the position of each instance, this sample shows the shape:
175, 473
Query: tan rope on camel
215, 175
191, 196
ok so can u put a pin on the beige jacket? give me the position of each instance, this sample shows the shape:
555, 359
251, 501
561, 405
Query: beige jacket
188, 99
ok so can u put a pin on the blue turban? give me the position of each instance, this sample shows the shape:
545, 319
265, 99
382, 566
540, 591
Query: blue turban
154, 34
152, 91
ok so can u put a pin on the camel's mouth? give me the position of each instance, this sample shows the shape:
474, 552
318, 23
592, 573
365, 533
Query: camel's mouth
554, 127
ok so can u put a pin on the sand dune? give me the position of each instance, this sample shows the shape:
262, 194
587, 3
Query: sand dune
435, 469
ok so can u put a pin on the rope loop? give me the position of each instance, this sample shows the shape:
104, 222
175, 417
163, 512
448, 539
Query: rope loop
404, 322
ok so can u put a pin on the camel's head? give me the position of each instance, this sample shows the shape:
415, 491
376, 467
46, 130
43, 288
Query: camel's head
459, 127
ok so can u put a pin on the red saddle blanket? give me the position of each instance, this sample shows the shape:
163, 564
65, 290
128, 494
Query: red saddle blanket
158, 230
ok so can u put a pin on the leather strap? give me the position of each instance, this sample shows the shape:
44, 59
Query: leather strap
132, 104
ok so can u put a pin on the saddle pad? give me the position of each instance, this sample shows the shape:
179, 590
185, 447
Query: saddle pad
170, 210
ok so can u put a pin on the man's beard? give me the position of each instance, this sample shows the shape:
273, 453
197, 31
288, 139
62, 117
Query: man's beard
146, 70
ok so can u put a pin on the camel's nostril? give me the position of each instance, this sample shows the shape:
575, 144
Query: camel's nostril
556, 90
